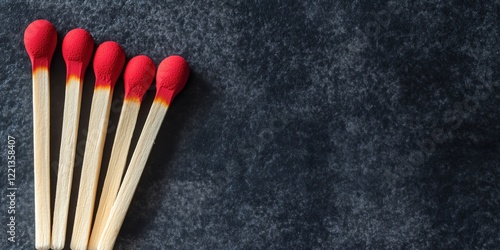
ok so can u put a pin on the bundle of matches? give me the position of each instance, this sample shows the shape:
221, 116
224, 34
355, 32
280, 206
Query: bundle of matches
172, 75
40, 41
138, 76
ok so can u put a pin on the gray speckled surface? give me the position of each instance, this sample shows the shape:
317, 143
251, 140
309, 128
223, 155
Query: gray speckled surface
320, 125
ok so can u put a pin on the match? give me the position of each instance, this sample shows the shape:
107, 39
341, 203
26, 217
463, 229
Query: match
40, 40
171, 77
138, 76
77, 49
108, 63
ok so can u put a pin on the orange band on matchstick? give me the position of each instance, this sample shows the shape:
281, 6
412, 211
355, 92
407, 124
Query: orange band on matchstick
40, 66
161, 101
75, 70
132, 99
102, 86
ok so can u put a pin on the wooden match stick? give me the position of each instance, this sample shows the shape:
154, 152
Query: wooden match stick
77, 49
172, 75
138, 76
40, 40
108, 64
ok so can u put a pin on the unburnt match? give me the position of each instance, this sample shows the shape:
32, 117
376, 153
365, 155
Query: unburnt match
77, 49
108, 63
40, 40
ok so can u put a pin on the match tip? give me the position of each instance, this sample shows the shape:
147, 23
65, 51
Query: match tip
138, 76
40, 40
108, 63
171, 77
77, 46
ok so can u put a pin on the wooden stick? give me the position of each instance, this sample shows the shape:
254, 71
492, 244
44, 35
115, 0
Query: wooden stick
77, 49
138, 76
171, 78
40, 40
108, 64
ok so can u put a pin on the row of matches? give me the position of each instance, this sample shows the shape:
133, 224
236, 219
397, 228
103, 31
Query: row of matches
40, 39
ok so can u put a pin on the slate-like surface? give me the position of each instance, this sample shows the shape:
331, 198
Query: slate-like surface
318, 125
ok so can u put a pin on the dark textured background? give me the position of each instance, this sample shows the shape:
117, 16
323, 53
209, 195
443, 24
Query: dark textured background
320, 125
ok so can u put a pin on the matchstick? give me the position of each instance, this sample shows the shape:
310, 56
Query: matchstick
171, 77
77, 49
138, 76
40, 40
108, 64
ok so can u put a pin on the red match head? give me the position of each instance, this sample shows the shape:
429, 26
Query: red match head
108, 64
138, 76
171, 77
40, 40
77, 48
